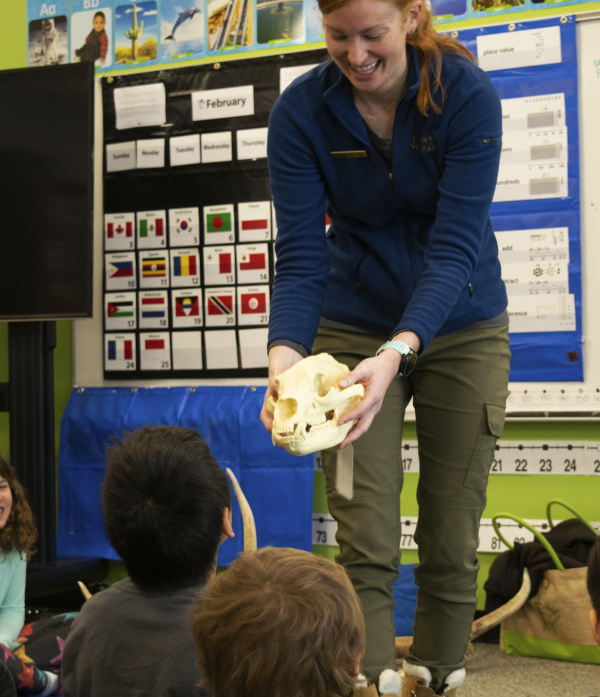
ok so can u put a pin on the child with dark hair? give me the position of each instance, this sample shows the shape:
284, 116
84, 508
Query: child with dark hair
280, 622
167, 508
593, 584
17, 538
96, 43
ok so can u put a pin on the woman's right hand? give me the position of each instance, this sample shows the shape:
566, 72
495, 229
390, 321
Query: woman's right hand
280, 359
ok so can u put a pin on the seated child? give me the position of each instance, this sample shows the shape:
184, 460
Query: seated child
279, 622
593, 584
96, 43
167, 508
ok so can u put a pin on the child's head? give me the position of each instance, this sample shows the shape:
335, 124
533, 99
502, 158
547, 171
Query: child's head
593, 584
280, 622
16, 520
166, 506
99, 22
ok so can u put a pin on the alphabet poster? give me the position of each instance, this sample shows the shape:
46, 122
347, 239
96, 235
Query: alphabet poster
48, 32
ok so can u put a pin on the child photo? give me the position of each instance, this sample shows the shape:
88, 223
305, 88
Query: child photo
136, 35
48, 41
181, 28
91, 37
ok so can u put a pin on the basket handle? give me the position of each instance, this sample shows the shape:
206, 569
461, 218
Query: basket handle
537, 534
564, 504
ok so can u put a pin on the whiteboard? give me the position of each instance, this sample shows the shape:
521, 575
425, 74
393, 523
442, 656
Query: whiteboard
561, 400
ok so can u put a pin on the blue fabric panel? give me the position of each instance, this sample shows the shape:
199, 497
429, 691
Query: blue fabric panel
278, 486
405, 595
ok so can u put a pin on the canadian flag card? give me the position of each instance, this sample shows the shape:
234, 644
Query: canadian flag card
254, 221
186, 308
151, 229
253, 305
219, 265
252, 263
120, 271
119, 352
184, 227
118, 231
219, 307
155, 351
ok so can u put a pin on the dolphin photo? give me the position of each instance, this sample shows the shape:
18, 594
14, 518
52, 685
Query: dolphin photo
181, 28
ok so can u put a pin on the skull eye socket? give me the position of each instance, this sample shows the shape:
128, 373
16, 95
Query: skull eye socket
287, 407
320, 385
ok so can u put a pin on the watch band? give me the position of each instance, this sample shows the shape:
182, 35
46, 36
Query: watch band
408, 356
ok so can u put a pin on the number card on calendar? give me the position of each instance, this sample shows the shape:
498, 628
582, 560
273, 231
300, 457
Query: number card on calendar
254, 221
253, 305
155, 351
219, 265
219, 224
184, 227
119, 352
185, 267
154, 269
151, 229
252, 263
187, 350
120, 311
118, 231
120, 271
219, 307
186, 308
154, 313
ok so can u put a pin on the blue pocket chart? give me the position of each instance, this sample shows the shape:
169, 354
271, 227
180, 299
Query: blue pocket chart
136, 33
47, 32
536, 208
92, 33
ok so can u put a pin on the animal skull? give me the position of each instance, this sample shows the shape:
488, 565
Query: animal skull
310, 403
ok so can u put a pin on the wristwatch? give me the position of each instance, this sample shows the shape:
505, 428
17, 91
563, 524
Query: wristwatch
408, 360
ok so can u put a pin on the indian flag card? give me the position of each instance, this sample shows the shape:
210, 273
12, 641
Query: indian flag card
185, 267
120, 311
184, 227
155, 351
118, 231
254, 221
151, 229
186, 308
219, 224
119, 352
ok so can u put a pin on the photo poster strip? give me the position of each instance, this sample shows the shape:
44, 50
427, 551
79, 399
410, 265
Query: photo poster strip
47, 32
182, 31
533, 96
136, 33
91, 33
147, 208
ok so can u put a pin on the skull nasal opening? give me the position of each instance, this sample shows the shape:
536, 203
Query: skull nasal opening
287, 407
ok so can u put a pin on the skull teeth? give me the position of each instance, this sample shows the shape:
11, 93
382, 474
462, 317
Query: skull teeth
287, 434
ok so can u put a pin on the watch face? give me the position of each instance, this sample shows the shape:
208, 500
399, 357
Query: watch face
407, 364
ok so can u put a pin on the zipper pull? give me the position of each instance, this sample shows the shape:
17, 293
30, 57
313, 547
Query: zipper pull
390, 176
470, 290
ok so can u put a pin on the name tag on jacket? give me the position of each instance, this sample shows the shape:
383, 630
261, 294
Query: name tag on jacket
346, 154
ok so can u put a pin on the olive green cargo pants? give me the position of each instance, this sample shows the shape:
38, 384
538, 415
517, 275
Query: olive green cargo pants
459, 391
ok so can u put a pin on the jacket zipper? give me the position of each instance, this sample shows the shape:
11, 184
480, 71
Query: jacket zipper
358, 268
470, 289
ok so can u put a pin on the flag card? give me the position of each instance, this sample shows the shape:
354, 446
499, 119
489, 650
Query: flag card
151, 153
186, 308
274, 220
120, 311
153, 309
184, 227
253, 348
121, 156
119, 352
219, 265
154, 268
141, 105
187, 350
252, 263
151, 229
120, 271
118, 231
219, 307
155, 351
185, 267
252, 143
185, 150
254, 221
253, 305
219, 224
221, 349
216, 147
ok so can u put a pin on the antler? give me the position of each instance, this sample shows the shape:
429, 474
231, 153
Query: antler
485, 623
247, 516
84, 590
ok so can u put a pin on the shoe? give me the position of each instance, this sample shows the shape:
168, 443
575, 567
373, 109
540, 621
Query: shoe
417, 681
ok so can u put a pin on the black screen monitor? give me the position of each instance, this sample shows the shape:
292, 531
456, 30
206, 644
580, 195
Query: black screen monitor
46, 188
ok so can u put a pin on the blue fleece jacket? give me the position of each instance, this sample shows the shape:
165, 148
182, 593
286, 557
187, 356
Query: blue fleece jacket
413, 249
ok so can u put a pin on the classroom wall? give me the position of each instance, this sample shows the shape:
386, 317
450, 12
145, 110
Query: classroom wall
525, 495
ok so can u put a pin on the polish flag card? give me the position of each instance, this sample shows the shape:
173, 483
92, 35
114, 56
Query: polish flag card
186, 307
221, 349
219, 265
118, 231
254, 221
219, 224
151, 229
219, 307
154, 268
184, 227
153, 309
187, 350
253, 305
253, 348
119, 311
120, 271
185, 267
155, 351
119, 352
252, 263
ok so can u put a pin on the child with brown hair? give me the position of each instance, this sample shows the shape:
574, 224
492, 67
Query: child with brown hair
593, 584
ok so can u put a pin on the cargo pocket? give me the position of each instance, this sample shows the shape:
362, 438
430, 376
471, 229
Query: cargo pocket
490, 430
